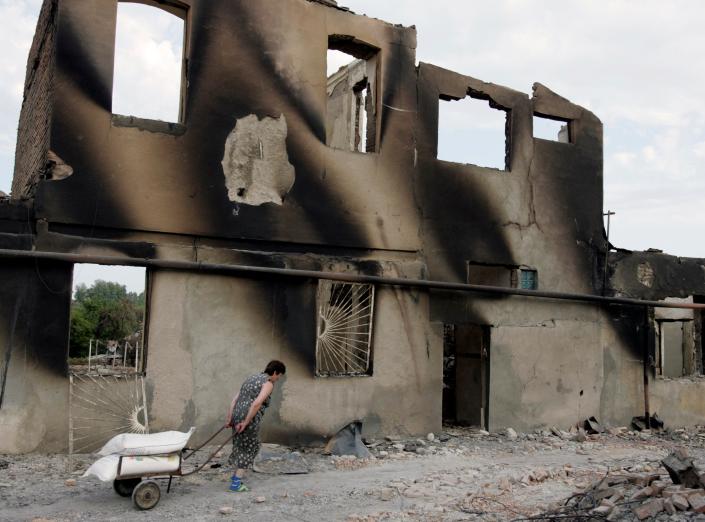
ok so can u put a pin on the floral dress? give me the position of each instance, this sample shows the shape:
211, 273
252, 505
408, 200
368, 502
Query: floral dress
246, 444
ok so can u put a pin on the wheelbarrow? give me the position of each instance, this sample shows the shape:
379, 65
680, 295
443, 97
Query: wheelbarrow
137, 474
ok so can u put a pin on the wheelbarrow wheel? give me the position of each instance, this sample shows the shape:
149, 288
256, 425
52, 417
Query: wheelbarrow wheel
125, 487
146, 495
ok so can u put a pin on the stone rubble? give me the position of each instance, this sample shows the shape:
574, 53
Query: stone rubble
645, 495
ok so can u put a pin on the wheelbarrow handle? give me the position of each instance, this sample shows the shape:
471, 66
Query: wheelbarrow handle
199, 468
201, 446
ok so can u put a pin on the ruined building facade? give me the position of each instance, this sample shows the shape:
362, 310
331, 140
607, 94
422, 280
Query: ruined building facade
273, 165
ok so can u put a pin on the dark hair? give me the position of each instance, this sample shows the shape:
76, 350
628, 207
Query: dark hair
275, 367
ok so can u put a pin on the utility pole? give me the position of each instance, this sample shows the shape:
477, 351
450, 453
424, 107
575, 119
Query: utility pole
609, 215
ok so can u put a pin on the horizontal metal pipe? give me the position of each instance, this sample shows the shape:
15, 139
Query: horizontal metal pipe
338, 276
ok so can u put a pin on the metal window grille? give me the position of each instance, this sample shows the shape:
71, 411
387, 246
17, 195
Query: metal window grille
102, 406
344, 329
528, 279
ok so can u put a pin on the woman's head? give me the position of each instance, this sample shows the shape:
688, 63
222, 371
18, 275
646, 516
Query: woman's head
275, 369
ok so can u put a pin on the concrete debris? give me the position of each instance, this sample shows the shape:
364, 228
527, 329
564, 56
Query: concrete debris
70, 483
225, 510
649, 493
511, 434
639, 423
592, 426
681, 469
348, 441
697, 502
649, 509
260, 500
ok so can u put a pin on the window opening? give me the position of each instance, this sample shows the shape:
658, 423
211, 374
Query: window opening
106, 355
492, 275
351, 88
344, 329
149, 57
528, 279
473, 130
676, 349
107, 319
552, 129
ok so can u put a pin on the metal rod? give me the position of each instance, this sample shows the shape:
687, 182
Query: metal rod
90, 347
200, 266
186, 457
609, 214
645, 344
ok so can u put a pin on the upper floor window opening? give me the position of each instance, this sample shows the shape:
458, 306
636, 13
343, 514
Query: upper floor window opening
148, 78
470, 133
552, 129
351, 95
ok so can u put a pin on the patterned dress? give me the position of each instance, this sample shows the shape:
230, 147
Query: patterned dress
246, 444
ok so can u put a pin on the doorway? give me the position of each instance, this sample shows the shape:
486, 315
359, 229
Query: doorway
466, 357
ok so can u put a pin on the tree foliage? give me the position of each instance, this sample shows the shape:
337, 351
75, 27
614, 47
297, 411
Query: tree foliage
104, 311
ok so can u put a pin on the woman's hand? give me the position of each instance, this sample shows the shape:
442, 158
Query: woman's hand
240, 426
229, 424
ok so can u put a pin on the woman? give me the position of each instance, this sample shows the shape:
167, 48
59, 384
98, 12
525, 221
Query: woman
245, 415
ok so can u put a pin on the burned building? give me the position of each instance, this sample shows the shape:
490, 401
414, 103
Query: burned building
294, 215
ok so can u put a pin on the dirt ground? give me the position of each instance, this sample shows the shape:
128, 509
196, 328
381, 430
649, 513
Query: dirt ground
460, 474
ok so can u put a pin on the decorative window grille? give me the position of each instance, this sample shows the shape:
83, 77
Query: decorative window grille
344, 329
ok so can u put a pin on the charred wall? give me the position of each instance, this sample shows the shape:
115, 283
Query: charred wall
242, 62
250, 175
34, 331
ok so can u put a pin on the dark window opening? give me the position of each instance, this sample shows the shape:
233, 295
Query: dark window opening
507, 276
699, 335
351, 89
148, 78
474, 130
466, 364
552, 129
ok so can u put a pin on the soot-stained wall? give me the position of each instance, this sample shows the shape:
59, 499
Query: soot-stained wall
246, 177
34, 332
207, 333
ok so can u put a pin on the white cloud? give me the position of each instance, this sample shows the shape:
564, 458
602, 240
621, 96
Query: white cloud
699, 149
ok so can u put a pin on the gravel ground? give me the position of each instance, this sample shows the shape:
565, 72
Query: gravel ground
461, 474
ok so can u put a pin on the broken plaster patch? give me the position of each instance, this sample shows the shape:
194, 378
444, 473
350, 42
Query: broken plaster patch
645, 274
255, 162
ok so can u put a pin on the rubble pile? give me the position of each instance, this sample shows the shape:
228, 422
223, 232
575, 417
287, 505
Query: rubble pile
640, 496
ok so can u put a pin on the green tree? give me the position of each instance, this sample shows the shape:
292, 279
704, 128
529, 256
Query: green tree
104, 311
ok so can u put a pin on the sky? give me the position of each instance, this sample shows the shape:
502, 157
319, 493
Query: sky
639, 65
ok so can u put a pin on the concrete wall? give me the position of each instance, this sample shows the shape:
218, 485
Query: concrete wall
207, 333
661, 277
34, 334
